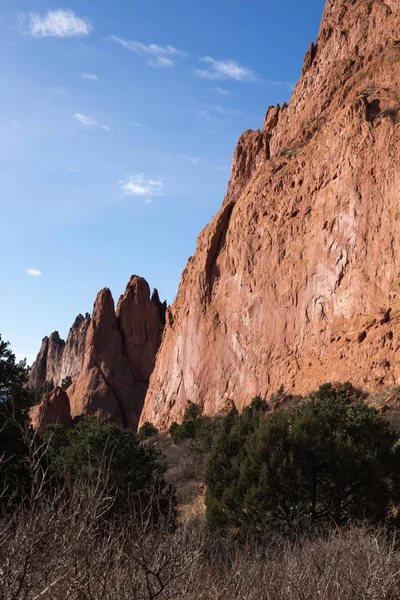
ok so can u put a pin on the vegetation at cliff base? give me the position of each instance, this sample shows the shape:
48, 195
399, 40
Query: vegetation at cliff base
105, 455
331, 461
299, 498
14, 399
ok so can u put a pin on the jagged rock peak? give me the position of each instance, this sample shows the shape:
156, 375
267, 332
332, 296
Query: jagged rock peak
291, 279
109, 356
161, 306
141, 326
47, 361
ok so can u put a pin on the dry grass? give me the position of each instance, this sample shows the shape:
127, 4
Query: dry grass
58, 551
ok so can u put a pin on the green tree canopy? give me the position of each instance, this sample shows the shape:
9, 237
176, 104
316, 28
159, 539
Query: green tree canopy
15, 399
329, 461
105, 454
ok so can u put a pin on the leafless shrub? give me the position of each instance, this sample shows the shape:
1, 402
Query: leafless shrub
185, 469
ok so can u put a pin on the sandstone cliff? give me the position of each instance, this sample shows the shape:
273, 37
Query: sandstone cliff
58, 359
109, 357
296, 280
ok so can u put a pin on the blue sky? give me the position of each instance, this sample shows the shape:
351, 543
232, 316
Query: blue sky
118, 121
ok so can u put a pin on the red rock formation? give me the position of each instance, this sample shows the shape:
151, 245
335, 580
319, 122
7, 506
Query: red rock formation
47, 363
139, 321
109, 357
292, 280
106, 385
72, 358
54, 408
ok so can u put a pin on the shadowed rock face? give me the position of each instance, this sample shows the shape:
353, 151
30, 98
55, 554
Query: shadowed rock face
72, 358
58, 359
54, 408
292, 281
47, 363
110, 357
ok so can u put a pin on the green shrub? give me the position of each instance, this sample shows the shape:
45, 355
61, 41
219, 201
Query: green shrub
104, 454
15, 400
147, 430
330, 461
66, 382
196, 427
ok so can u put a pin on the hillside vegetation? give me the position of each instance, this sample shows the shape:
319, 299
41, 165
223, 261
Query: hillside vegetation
291, 499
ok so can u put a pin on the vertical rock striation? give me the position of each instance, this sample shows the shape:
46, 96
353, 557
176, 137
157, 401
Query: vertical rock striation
296, 281
109, 357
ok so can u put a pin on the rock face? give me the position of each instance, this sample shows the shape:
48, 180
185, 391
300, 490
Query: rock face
72, 358
109, 357
296, 281
58, 359
54, 408
47, 363
119, 356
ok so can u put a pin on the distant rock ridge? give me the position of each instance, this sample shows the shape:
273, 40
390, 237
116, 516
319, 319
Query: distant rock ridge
109, 357
296, 280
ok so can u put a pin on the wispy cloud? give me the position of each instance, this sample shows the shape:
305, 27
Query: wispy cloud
186, 157
221, 168
160, 62
219, 69
230, 112
89, 76
139, 126
204, 114
160, 56
138, 185
33, 272
221, 91
57, 23
89, 121
213, 111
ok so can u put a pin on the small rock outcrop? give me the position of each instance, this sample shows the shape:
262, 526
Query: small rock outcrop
296, 280
54, 408
109, 357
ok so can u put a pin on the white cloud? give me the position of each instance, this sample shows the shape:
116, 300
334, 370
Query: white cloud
58, 23
213, 112
192, 159
33, 272
138, 185
139, 126
163, 56
221, 91
160, 62
221, 168
89, 122
89, 76
229, 69
72, 170
204, 114
231, 112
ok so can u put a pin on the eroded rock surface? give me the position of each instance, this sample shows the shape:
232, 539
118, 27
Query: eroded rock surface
54, 408
296, 280
109, 357
58, 359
